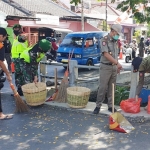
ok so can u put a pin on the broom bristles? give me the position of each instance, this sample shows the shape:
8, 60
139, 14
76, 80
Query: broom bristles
20, 105
61, 96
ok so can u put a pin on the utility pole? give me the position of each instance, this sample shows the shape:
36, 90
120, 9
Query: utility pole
82, 16
106, 15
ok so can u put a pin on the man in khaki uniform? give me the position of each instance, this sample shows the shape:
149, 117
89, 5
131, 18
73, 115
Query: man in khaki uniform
109, 66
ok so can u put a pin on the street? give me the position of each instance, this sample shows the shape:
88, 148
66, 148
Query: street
52, 128
84, 72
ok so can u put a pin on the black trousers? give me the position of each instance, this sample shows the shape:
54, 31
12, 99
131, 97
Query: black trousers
1, 86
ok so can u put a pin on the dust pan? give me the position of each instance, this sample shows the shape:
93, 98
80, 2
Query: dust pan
117, 121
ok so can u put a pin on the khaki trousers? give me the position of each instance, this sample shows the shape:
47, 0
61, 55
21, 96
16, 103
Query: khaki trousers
108, 75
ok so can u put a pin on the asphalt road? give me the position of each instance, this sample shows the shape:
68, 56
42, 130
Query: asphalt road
84, 73
52, 128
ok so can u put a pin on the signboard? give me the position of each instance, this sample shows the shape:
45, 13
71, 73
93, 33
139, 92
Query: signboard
47, 19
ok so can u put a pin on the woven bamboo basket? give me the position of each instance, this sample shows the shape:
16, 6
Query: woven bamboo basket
78, 97
34, 94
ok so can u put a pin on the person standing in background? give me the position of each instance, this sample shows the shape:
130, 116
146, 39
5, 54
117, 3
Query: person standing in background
141, 47
20, 44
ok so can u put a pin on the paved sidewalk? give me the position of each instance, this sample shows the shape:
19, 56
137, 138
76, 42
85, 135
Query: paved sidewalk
91, 105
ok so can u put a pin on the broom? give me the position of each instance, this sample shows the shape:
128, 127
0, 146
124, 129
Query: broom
61, 96
20, 105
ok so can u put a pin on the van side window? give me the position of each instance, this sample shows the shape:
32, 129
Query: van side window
89, 41
72, 41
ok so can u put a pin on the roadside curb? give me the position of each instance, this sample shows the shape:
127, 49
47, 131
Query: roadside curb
91, 105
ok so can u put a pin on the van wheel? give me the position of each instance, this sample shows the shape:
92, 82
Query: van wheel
89, 63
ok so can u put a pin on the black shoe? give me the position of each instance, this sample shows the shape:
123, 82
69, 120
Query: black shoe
96, 110
110, 109
20, 92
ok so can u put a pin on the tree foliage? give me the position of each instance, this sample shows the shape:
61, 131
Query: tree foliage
139, 16
76, 2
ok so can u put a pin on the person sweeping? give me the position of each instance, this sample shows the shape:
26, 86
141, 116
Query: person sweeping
3, 35
30, 59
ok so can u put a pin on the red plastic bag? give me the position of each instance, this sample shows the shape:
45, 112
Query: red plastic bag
130, 105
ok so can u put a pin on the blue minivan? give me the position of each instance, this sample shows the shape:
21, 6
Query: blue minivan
85, 46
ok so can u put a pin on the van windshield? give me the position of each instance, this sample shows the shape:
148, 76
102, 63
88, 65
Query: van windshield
72, 41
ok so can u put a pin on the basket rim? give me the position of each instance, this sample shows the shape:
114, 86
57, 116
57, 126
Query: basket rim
78, 87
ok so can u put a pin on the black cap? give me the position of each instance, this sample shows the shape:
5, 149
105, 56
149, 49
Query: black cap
136, 63
3, 31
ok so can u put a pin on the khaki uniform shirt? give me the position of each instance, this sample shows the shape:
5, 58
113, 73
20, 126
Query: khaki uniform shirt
110, 46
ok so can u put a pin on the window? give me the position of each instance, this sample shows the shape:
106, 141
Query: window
89, 41
72, 41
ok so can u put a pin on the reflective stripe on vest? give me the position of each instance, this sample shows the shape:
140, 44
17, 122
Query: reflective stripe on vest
26, 57
18, 48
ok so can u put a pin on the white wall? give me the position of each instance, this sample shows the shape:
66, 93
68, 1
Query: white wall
3, 23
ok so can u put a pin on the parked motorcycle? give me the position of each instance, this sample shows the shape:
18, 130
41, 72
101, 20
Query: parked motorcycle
128, 54
50, 56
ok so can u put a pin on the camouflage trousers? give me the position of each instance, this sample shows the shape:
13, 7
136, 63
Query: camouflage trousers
19, 79
28, 72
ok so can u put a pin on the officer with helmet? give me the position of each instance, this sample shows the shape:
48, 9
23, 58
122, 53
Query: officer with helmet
30, 59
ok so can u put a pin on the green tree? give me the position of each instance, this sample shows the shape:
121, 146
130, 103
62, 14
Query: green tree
148, 30
137, 35
140, 17
76, 2
134, 5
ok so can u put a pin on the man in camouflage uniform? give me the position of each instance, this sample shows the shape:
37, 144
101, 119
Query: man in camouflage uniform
143, 66
30, 59
109, 66
19, 45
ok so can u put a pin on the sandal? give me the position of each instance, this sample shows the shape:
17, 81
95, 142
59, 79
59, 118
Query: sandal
6, 117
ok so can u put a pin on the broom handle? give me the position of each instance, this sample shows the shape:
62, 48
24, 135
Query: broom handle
13, 89
70, 57
112, 97
55, 78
